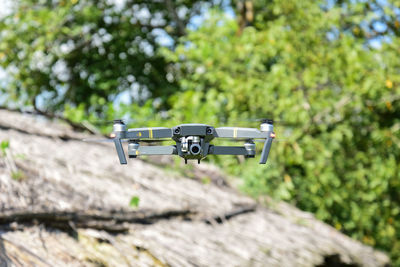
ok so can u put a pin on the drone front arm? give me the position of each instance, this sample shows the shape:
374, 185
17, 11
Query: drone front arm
227, 150
156, 150
245, 133
240, 133
148, 133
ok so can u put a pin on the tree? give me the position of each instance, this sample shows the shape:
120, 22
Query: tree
299, 64
83, 54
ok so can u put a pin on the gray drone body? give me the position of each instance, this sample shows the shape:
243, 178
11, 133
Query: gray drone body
193, 141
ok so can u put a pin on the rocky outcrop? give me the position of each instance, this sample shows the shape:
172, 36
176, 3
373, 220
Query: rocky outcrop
66, 202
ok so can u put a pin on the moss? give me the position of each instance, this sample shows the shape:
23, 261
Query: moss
18, 175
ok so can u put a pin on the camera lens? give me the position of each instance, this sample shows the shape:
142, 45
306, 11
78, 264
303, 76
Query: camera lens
195, 149
177, 130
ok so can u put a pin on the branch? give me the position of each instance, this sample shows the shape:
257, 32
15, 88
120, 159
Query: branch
228, 215
179, 24
110, 221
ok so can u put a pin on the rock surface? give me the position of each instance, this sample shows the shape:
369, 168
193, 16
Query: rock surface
64, 202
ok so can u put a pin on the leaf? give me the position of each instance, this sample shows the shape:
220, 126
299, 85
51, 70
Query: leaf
4, 146
134, 203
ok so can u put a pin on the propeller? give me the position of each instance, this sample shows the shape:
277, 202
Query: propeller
101, 122
255, 140
111, 140
100, 140
269, 121
274, 122
273, 140
119, 120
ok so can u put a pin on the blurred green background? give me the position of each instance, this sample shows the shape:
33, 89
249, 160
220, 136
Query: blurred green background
330, 69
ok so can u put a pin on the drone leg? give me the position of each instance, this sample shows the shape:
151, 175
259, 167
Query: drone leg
198, 161
265, 151
120, 151
185, 161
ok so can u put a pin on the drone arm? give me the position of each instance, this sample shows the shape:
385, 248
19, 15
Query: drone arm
148, 133
157, 150
227, 150
242, 133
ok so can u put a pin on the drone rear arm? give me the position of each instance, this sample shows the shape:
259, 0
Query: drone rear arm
240, 133
148, 133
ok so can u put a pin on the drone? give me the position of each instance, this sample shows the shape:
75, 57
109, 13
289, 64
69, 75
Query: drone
193, 141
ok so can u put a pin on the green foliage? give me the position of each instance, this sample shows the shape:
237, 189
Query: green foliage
134, 203
342, 161
206, 180
4, 145
79, 55
18, 175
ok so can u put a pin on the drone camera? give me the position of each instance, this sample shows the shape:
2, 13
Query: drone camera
195, 149
191, 144
209, 130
